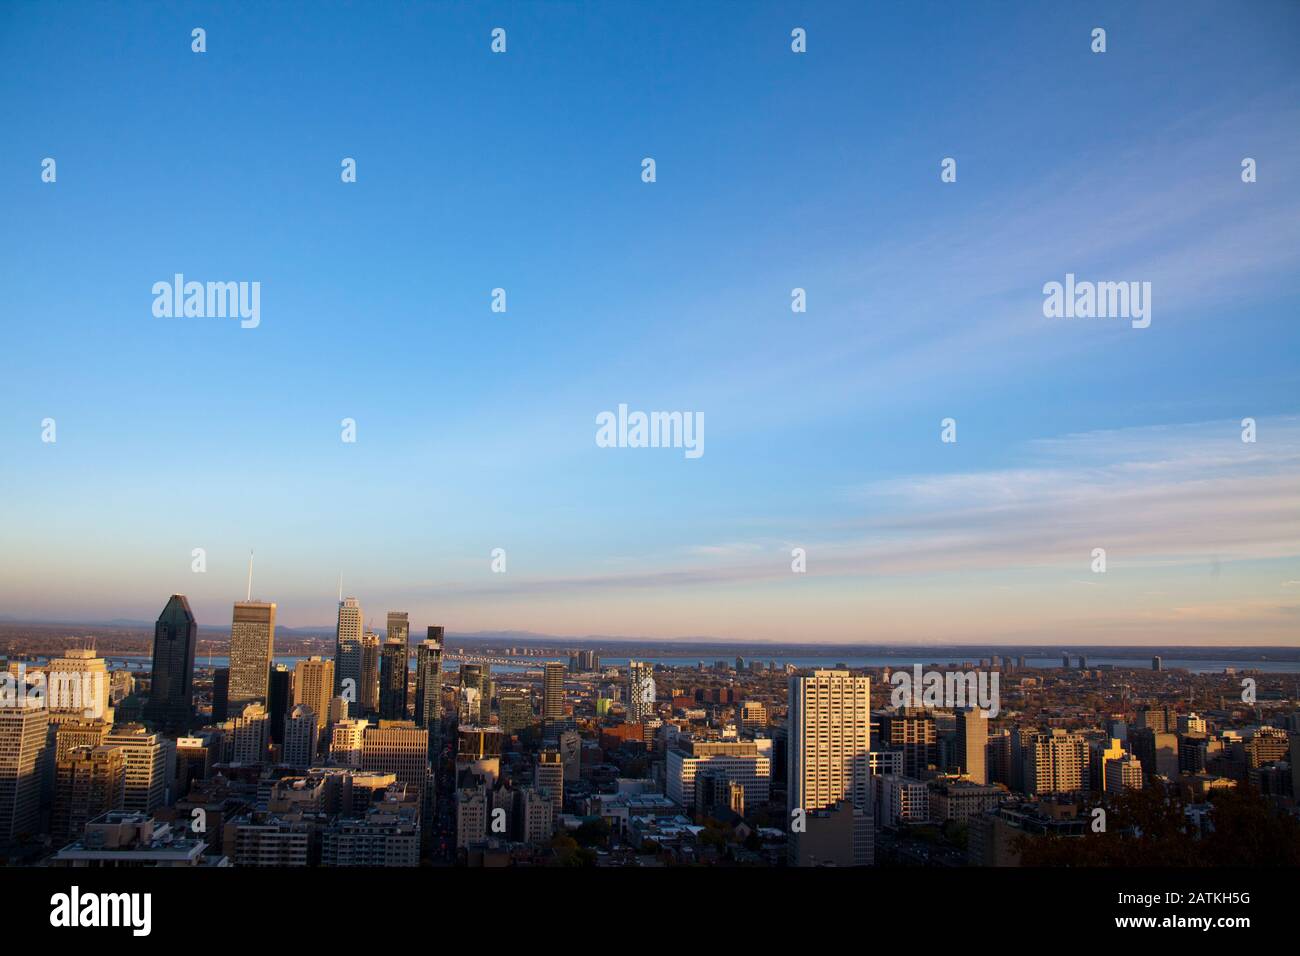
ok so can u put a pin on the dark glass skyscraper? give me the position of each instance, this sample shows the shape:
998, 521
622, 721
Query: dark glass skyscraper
392, 680
220, 694
279, 694
171, 693
428, 680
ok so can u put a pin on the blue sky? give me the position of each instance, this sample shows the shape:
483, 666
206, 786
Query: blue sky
775, 170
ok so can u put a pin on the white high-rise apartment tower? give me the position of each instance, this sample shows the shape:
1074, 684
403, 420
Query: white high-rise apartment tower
830, 740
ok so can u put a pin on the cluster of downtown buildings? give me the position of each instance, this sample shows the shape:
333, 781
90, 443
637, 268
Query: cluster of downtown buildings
379, 755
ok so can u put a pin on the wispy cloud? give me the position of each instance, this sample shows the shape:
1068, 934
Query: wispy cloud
1152, 497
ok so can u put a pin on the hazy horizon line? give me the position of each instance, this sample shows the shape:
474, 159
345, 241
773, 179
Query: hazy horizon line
700, 640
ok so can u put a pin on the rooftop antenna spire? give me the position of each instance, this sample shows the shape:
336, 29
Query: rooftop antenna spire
340, 587
250, 576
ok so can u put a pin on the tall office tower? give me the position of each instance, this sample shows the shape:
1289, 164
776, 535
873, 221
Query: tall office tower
252, 639
399, 626
972, 744
279, 695
171, 693
369, 673
349, 627
428, 683
1157, 663
146, 766
88, 782
548, 776
346, 738
393, 675
247, 736
393, 682
516, 709
1065, 661
911, 730
1083, 662
399, 747
1056, 763
347, 671
640, 691
76, 685
220, 694
313, 685
552, 693
428, 680
301, 733
23, 738
347, 649
830, 740
575, 662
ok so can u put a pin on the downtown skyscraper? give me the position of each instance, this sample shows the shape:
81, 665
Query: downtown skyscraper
393, 674
552, 692
830, 740
394, 666
399, 626
348, 653
313, 687
371, 651
252, 640
640, 691
77, 686
171, 692
428, 683
23, 732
